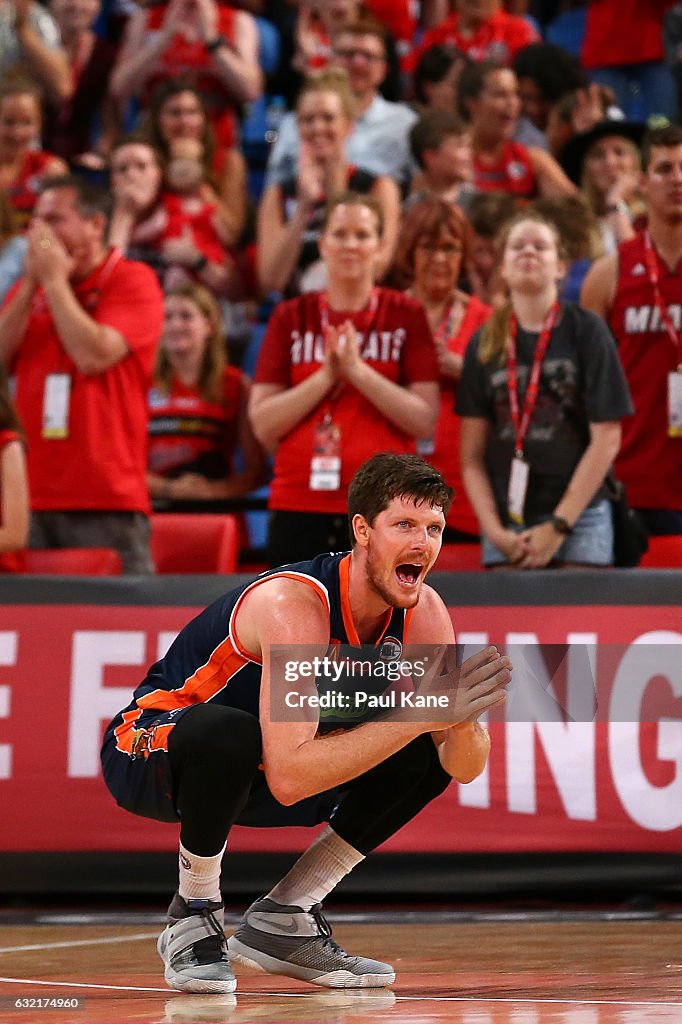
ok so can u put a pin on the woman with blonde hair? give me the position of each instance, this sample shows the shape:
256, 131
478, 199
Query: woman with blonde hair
198, 410
541, 396
291, 214
607, 164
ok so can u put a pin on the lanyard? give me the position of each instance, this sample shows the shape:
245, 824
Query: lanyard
367, 314
521, 420
666, 320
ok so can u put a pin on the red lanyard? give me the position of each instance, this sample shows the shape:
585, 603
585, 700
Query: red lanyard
521, 420
666, 320
367, 314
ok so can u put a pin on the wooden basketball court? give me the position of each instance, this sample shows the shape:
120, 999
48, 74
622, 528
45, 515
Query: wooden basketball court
456, 967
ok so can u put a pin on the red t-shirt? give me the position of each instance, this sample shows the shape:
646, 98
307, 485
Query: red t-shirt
102, 463
499, 38
649, 462
395, 341
446, 438
513, 173
189, 59
191, 434
11, 561
623, 32
194, 215
399, 16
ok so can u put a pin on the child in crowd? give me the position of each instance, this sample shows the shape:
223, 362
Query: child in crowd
441, 146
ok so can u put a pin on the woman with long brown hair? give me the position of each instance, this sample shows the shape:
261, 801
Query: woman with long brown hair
198, 410
541, 396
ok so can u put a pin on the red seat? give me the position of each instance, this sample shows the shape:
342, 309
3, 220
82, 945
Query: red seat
71, 561
663, 553
194, 542
459, 558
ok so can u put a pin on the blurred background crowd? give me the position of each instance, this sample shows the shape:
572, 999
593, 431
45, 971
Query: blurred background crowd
244, 246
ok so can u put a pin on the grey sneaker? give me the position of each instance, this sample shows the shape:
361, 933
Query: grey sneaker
194, 949
288, 940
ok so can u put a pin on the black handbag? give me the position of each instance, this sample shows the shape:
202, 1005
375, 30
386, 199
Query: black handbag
630, 538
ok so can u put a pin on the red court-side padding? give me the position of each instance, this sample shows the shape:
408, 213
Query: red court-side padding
71, 562
663, 553
194, 542
459, 558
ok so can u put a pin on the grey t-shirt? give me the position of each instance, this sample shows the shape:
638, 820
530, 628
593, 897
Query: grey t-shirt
582, 382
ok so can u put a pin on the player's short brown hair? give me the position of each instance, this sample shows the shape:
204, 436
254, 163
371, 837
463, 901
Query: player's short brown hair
387, 476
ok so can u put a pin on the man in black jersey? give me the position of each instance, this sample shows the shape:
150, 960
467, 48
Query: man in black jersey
200, 742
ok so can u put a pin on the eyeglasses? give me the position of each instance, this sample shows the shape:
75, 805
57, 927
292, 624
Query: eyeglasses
446, 249
366, 55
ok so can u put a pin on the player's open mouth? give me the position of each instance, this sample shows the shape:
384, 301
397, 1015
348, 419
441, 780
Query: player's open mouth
409, 573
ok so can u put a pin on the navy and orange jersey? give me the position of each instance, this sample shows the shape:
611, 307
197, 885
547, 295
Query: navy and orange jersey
206, 662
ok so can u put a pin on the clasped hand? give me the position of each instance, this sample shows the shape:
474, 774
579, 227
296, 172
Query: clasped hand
46, 258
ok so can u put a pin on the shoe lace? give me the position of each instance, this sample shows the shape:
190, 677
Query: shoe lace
324, 929
216, 943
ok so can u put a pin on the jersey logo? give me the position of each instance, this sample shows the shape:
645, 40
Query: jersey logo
516, 170
391, 649
638, 270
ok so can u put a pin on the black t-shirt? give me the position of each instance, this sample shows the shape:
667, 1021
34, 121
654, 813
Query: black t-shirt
582, 382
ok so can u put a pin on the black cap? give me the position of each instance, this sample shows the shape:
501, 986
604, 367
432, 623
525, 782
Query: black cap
576, 149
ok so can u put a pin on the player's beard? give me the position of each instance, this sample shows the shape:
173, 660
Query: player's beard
395, 600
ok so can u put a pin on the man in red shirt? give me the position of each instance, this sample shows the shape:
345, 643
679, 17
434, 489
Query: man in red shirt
79, 332
482, 30
638, 291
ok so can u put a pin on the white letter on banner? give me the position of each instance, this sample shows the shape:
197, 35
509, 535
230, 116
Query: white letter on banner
476, 793
658, 808
92, 703
164, 641
8, 656
569, 747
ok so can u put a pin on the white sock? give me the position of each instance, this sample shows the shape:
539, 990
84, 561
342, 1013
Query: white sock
199, 876
316, 872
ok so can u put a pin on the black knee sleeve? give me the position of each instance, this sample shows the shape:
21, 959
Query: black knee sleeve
385, 798
214, 754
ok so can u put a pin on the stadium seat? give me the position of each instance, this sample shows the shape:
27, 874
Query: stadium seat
459, 558
663, 553
71, 561
194, 542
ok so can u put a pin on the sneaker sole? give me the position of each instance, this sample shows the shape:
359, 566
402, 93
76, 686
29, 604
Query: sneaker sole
183, 983
241, 954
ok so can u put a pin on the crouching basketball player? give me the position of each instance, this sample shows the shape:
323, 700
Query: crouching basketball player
198, 742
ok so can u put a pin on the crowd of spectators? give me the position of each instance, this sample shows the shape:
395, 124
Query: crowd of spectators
362, 206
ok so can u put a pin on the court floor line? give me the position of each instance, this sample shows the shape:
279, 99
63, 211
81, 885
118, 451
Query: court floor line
80, 942
525, 1001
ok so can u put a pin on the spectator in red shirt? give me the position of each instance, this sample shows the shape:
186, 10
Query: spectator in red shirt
342, 374
22, 165
79, 331
489, 100
483, 30
198, 411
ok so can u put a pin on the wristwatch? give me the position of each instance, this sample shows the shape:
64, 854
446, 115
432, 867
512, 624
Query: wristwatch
215, 44
561, 525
